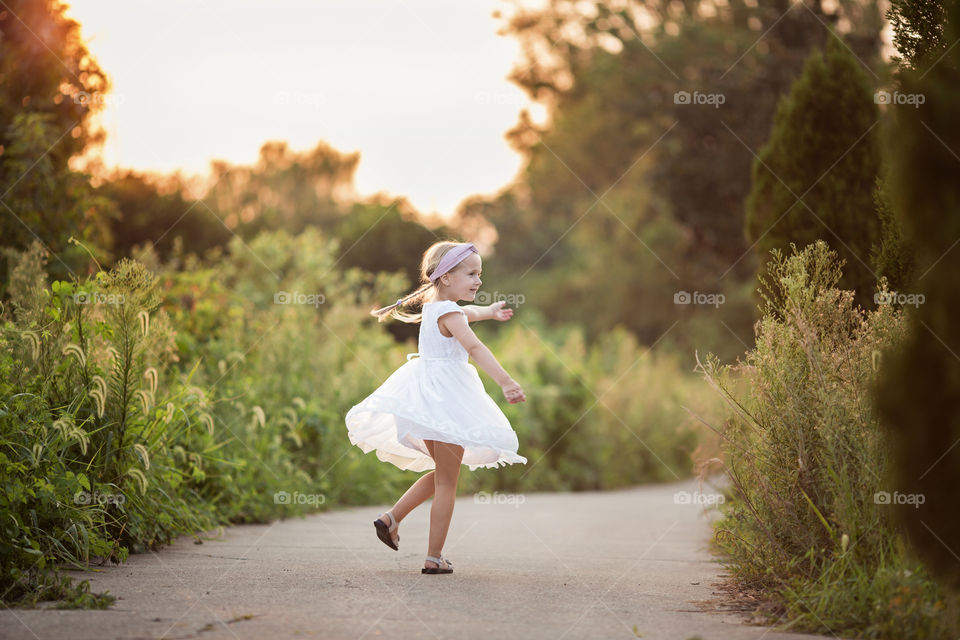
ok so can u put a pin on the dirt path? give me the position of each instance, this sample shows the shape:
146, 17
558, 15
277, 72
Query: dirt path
620, 564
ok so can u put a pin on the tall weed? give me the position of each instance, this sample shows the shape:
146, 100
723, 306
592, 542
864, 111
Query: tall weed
806, 456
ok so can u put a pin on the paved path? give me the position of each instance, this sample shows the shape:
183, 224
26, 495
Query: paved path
619, 564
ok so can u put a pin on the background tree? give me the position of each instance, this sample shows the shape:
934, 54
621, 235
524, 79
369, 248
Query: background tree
918, 28
153, 209
381, 236
608, 74
919, 391
893, 257
814, 179
50, 87
609, 84
284, 189
917, 31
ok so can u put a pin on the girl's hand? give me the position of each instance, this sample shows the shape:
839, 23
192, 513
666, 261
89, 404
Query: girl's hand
513, 392
497, 312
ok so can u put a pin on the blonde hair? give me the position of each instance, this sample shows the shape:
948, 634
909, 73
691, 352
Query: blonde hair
427, 290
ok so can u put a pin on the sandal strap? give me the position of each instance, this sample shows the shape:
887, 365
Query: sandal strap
439, 561
393, 521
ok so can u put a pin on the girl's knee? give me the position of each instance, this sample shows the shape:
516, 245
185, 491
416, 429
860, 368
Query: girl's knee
446, 477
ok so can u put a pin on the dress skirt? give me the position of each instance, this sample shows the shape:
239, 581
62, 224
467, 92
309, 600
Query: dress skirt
439, 399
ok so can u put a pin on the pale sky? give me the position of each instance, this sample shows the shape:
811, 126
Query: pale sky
418, 87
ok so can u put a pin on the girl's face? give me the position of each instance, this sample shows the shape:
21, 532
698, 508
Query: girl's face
464, 279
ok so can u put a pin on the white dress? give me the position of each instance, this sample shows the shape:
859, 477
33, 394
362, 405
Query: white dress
436, 396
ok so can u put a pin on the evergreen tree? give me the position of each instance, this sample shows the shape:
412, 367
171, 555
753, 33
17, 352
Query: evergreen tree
919, 392
892, 256
918, 27
917, 30
814, 178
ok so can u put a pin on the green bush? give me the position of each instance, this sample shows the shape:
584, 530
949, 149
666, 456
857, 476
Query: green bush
597, 417
805, 455
102, 446
284, 375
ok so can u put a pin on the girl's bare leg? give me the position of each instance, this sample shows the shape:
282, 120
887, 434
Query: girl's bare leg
416, 495
418, 492
447, 458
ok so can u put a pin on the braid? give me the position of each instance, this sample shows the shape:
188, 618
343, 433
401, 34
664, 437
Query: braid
394, 309
428, 265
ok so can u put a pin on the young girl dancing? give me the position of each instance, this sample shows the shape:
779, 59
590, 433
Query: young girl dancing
433, 412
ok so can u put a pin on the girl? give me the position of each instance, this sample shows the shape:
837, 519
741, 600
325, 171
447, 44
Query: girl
433, 412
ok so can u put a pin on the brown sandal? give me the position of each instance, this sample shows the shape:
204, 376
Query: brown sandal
383, 531
438, 568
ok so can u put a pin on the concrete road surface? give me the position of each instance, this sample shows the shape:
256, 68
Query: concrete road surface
620, 564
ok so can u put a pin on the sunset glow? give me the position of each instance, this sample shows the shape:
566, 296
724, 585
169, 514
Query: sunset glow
418, 87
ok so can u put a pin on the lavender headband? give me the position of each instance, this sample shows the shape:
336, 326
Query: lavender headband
452, 258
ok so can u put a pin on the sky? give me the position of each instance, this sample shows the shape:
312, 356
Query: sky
418, 87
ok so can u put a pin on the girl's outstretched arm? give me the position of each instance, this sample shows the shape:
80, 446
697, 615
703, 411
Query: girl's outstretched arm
457, 325
493, 311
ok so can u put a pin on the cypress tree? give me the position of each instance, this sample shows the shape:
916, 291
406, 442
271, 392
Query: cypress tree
918, 395
814, 178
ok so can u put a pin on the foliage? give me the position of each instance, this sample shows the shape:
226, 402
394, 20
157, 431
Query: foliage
119, 432
284, 189
815, 177
102, 445
918, 31
599, 415
892, 257
154, 210
626, 266
806, 458
51, 87
609, 79
919, 391
273, 324
629, 195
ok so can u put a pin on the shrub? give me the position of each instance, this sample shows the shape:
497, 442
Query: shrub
102, 445
805, 455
